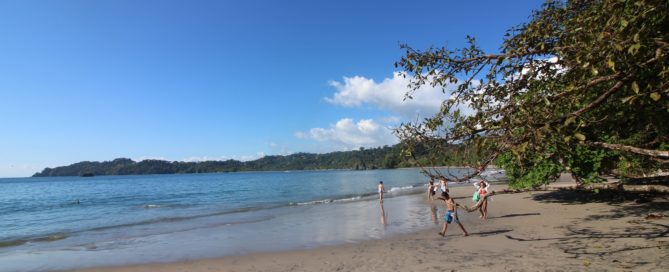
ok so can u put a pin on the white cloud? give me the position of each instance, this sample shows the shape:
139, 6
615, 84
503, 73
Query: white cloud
346, 134
301, 135
391, 119
388, 95
367, 126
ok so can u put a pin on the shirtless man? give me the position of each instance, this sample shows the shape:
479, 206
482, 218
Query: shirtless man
451, 214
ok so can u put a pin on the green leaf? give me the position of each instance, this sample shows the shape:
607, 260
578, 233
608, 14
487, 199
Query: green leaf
633, 49
594, 71
623, 23
655, 96
523, 147
579, 136
611, 64
628, 99
635, 87
567, 139
569, 120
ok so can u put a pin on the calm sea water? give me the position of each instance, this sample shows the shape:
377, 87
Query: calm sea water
54, 223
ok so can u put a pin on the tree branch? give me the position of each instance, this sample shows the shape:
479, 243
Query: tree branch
600, 99
631, 149
587, 85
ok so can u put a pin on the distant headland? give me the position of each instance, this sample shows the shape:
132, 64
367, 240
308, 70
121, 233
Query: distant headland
362, 159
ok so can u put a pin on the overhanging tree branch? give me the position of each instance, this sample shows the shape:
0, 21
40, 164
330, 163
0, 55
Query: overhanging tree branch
632, 149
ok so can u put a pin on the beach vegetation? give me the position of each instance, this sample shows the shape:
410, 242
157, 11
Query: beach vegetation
581, 88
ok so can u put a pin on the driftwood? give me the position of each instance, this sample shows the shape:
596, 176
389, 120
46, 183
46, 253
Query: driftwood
478, 204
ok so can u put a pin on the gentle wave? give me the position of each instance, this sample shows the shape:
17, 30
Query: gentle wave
18, 242
174, 219
60, 235
394, 191
403, 188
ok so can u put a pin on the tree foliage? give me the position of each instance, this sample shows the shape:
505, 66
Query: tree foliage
582, 87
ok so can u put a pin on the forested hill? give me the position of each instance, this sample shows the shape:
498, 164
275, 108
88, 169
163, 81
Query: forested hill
374, 158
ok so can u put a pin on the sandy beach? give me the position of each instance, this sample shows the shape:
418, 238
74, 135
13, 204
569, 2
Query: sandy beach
530, 231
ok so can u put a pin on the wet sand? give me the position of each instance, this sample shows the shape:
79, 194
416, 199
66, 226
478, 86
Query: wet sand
531, 231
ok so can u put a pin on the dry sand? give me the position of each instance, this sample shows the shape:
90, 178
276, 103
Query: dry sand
531, 231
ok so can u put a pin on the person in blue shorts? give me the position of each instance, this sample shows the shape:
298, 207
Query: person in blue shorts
451, 214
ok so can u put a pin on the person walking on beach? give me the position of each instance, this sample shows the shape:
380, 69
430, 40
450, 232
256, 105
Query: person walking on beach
451, 214
483, 188
431, 189
382, 189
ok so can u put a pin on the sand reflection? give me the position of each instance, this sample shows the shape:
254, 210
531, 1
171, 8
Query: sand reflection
384, 217
433, 211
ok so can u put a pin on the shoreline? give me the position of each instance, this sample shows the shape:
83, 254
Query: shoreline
558, 230
138, 220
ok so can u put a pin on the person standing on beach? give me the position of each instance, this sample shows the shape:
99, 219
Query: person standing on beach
443, 184
451, 214
482, 188
431, 188
382, 189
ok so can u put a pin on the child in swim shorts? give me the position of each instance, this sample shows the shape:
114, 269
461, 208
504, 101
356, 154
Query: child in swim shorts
451, 214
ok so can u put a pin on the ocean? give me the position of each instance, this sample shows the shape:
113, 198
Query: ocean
60, 223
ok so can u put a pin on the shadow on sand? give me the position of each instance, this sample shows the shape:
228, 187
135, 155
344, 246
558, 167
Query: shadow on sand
490, 233
594, 237
515, 215
624, 203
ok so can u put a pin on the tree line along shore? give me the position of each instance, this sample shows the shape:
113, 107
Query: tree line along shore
386, 157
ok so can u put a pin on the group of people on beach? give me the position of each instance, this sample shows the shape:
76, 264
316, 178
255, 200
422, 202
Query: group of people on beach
451, 215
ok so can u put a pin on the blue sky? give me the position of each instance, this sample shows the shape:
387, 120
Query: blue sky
198, 80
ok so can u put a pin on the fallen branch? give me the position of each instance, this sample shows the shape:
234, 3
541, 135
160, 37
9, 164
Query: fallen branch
478, 204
